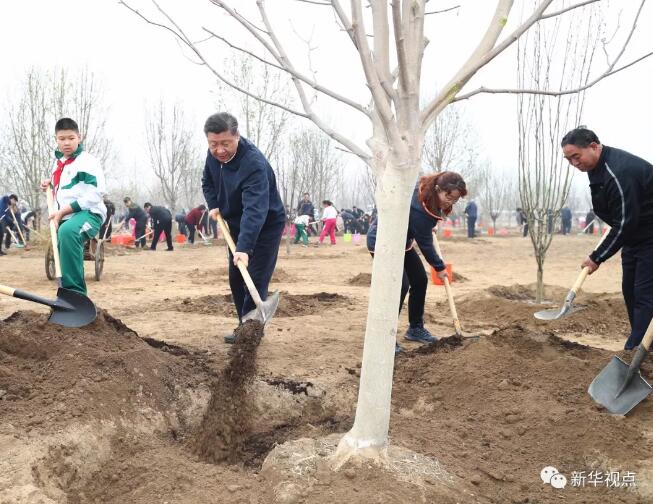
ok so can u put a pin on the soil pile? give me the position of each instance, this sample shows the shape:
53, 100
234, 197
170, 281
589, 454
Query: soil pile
228, 419
362, 279
282, 276
497, 411
51, 374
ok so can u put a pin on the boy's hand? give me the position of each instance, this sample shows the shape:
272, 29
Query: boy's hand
45, 184
213, 214
56, 218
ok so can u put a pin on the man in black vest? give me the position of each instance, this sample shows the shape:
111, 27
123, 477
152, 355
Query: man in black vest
622, 196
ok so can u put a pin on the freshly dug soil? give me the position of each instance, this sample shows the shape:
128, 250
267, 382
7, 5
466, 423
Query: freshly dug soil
362, 279
497, 411
228, 419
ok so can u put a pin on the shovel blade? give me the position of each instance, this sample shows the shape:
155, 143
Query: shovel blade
556, 313
266, 311
607, 384
72, 309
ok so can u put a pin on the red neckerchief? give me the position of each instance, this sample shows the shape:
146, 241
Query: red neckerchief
56, 176
437, 217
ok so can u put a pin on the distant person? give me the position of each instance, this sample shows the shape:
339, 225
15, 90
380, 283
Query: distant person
6, 203
432, 202
305, 207
107, 226
522, 220
590, 220
180, 219
549, 221
329, 218
622, 196
565, 219
471, 211
135, 212
194, 220
301, 223
161, 223
77, 182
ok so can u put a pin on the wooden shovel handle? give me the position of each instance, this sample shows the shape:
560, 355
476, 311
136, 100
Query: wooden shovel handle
8, 291
20, 231
53, 234
447, 288
648, 337
243, 269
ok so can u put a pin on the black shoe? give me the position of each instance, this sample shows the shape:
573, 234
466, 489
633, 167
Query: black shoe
169, 250
2, 253
230, 338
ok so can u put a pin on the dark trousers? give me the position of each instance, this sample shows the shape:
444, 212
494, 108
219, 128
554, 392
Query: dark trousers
415, 281
471, 224
191, 233
162, 227
637, 288
140, 231
261, 266
2, 234
566, 226
213, 226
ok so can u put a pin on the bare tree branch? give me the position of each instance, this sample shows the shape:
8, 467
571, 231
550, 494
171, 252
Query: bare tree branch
567, 9
449, 9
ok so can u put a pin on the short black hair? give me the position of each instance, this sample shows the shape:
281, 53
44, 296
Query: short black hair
147, 205
66, 123
221, 122
327, 202
581, 137
13, 197
202, 207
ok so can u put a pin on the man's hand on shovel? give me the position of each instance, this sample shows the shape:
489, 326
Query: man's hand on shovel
590, 265
241, 257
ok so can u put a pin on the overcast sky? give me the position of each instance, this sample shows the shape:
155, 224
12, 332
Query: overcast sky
138, 64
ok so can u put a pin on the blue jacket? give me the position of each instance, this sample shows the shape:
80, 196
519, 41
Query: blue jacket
471, 210
420, 229
245, 191
5, 214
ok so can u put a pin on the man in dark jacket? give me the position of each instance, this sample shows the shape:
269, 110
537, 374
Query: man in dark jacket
471, 211
239, 184
622, 196
140, 217
306, 207
161, 223
566, 218
107, 226
6, 220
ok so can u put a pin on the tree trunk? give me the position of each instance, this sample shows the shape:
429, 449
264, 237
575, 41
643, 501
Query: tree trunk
539, 292
368, 437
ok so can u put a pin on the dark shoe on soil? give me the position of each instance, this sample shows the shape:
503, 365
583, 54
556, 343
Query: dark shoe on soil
2, 253
398, 348
230, 339
169, 250
420, 334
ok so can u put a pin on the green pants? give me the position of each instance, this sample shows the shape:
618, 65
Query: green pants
300, 232
72, 234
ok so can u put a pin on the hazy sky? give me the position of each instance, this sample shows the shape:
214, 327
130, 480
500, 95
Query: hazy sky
138, 64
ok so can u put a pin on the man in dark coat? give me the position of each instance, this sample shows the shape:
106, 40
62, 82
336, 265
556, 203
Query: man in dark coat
161, 223
471, 211
622, 196
306, 207
138, 214
239, 184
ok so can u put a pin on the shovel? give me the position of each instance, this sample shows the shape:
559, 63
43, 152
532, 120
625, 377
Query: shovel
70, 308
20, 231
567, 307
264, 309
447, 288
620, 387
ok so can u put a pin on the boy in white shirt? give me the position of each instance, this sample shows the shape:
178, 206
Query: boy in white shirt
301, 223
78, 185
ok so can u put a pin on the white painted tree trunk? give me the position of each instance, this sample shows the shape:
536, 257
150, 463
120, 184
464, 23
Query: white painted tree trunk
368, 437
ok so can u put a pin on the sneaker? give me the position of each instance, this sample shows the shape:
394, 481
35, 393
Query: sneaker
230, 339
419, 334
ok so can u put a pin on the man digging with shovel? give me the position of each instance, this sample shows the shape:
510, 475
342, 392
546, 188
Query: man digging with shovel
622, 196
240, 187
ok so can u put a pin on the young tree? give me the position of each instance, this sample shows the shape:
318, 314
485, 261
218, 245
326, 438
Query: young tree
495, 191
398, 124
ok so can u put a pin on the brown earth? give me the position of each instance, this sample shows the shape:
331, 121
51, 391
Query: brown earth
108, 413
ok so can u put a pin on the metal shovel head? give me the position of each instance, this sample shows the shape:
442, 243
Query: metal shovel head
266, 311
608, 383
557, 313
72, 309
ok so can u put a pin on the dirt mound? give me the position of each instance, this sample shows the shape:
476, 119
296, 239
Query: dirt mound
457, 277
499, 410
290, 305
362, 279
281, 276
518, 292
228, 418
51, 374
